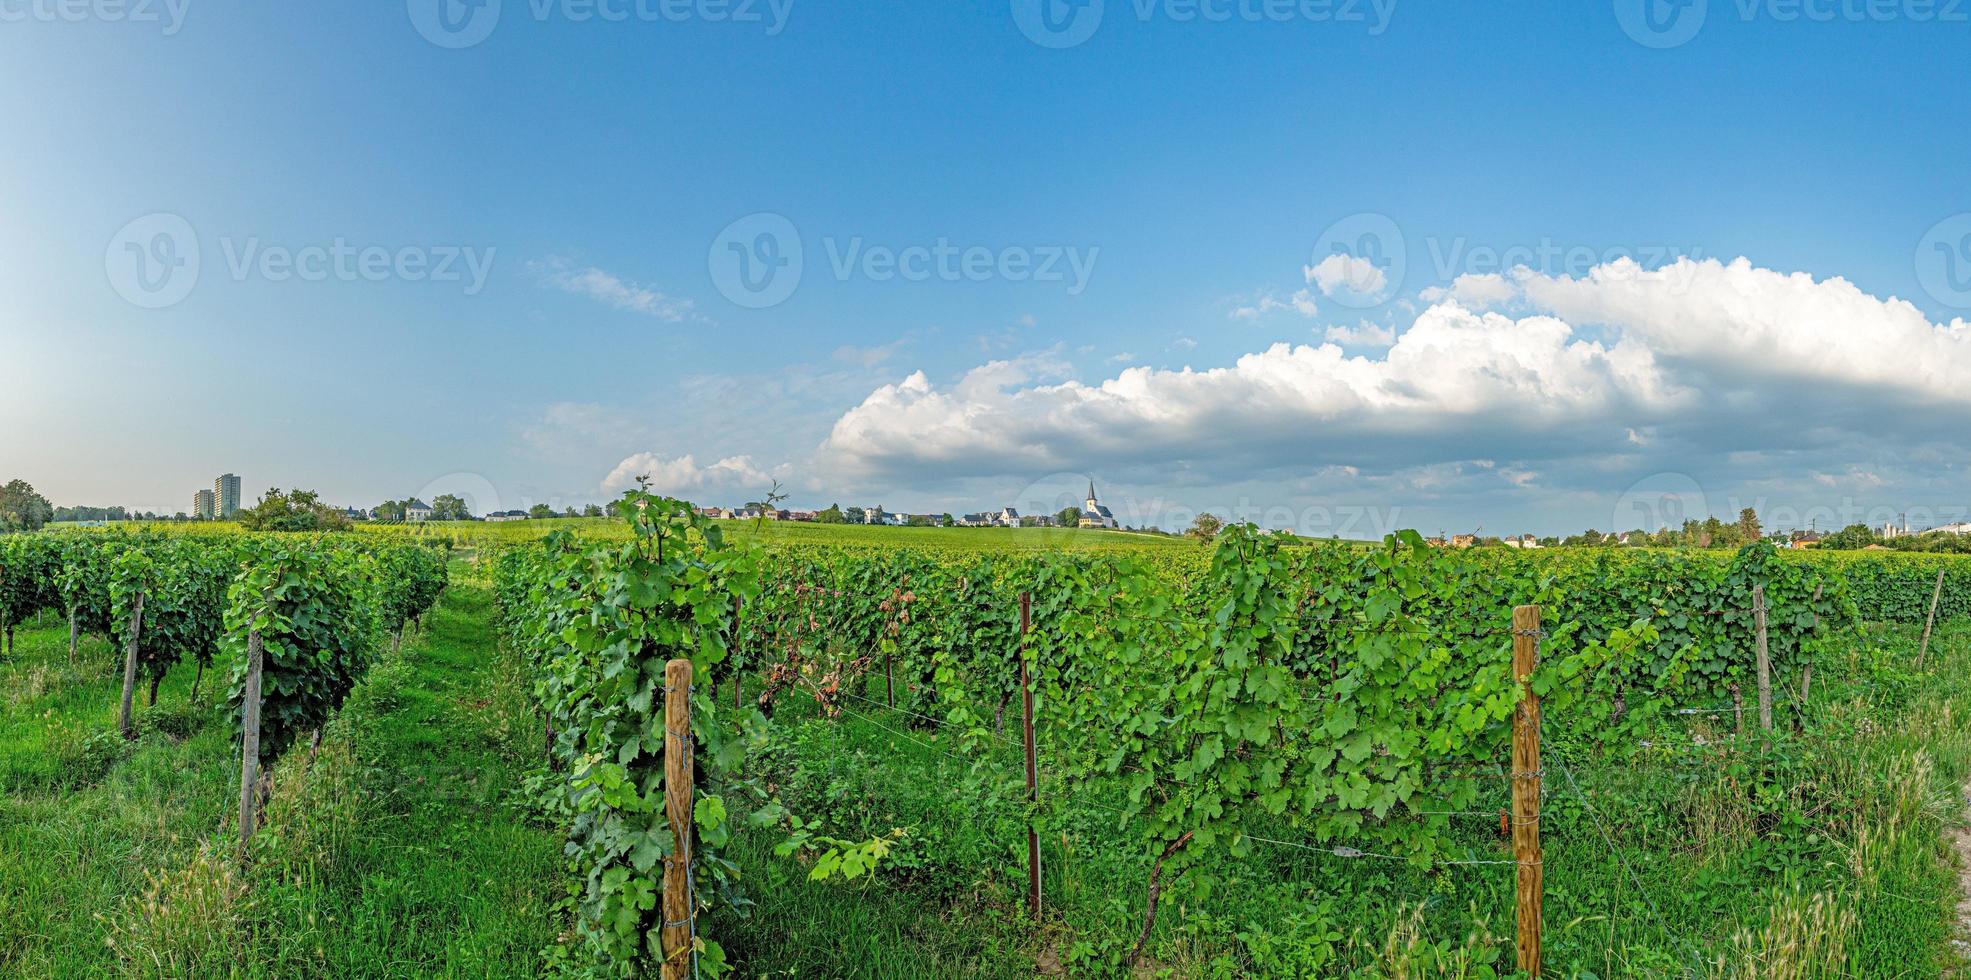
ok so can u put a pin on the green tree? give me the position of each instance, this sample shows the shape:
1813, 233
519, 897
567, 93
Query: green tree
540, 512
447, 507
296, 510
833, 515
1854, 537
390, 510
1748, 526
1206, 527
21, 509
1068, 517
592, 510
856, 515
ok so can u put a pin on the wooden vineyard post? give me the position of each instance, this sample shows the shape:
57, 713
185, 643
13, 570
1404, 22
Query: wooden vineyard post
1935, 595
250, 741
1764, 659
1033, 773
679, 907
123, 723
1526, 787
72, 637
738, 608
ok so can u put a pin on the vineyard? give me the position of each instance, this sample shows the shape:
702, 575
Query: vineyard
1322, 708
669, 745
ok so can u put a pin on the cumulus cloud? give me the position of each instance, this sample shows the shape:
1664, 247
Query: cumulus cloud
1301, 302
682, 476
1342, 271
1364, 334
612, 290
1586, 380
1447, 370
1761, 323
1477, 290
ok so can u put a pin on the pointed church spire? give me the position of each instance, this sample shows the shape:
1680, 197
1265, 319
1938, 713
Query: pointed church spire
1091, 489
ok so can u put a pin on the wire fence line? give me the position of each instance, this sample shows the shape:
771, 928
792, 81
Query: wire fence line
1063, 789
1339, 850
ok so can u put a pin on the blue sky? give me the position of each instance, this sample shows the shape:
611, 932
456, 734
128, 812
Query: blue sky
578, 180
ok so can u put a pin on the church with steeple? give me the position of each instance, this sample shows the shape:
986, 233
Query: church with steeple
1093, 514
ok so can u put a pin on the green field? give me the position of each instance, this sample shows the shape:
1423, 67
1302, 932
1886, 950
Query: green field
796, 533
425, 835
395, 852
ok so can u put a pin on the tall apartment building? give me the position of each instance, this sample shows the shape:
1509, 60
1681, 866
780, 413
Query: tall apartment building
205, 505
226, 494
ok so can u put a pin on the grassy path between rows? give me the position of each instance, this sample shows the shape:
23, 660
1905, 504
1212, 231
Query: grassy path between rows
397, 849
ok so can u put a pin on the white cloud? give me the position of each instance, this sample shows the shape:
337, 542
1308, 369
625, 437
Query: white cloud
1364, 334
1761, 323
682, 476
1476, 290
612, 290
1301, 302
1448, 369
1590, 379
1343, 271
869, 356
571, 428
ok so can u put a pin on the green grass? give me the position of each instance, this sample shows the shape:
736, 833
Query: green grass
401, 849
394, 852
1698, 860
